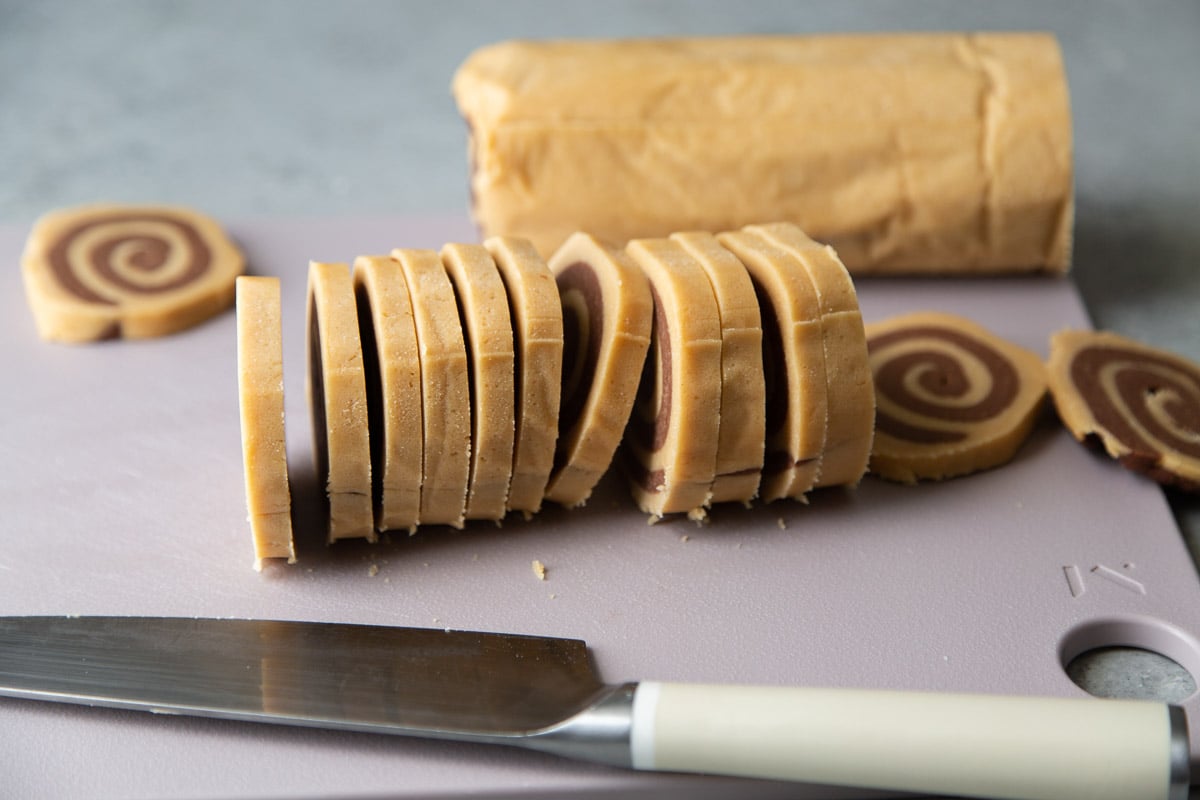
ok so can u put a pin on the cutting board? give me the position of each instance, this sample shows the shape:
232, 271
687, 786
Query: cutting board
121, 493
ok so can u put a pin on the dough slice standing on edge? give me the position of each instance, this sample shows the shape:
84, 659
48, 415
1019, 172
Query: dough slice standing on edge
126, 271
392, 368
337, 397
445, 390
743, 394
670, 444
260, 395
607, 310
483, 309
538, 356
1141, 403
851, 425
953, 398
793, 366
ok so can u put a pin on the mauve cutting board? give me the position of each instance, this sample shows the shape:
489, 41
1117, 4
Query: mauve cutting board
121, 493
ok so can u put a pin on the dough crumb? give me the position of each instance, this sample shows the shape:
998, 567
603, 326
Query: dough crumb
372, 570
782, 523
698, 515
684, 538
553, 596
539, 569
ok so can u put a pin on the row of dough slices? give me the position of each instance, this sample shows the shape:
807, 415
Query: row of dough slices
481, 380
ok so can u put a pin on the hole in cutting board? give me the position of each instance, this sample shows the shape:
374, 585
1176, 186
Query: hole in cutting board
1131, 673
1136, 659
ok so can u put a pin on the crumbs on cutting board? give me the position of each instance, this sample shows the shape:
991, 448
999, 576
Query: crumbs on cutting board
539, 569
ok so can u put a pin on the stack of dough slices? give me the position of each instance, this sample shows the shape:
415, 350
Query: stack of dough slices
434, 382
467, 383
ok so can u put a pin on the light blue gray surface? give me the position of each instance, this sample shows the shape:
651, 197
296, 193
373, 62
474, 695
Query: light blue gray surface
340, 109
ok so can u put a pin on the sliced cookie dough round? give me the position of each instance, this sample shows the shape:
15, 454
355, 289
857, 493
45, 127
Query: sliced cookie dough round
670, 444
392, 368
953, 398
445, 388
260, 400
740, 439
607, 311
538, 357
793, 355
483, 307
850, 428
1141, 403
126, 271
337, 398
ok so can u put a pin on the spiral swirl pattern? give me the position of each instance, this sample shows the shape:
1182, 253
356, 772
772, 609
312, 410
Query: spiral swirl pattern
104, 259
952, 397
1143, 404
102, 271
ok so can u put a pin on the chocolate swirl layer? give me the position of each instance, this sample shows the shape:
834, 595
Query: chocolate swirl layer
952, 397
938, 375
1141, 404
110, 271
126, 253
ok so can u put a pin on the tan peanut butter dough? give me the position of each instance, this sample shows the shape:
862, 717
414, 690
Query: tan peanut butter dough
445, 388
126, 271
793, 365
538, 350
488, 330
607, 312
670, 444
392, 367
952, 397
337, 396
1142, 404
850, 428
260, 396
908, 152
742, 433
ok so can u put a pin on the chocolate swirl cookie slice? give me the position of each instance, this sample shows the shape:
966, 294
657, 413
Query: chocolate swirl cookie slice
670, 445
1140, 403
260, 399
337, 398
392, 368
607, 310
793, 354
113, 271
851, 423
445, 388
483, 308
953, 398
743, 391
538, 353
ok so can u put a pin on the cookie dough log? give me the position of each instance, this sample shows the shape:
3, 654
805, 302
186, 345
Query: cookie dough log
392, 368
538, 352
260, 393
126, 271
1142, 404
793, 355
670, 444
607, 311
742, 433
337, 398
483, 306
909, 153
445, 388
953, 398
850, 428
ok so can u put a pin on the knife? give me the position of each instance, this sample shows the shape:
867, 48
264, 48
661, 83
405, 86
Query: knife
542, 693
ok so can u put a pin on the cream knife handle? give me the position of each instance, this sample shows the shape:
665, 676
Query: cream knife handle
976, 745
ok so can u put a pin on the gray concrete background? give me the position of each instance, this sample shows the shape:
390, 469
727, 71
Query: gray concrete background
337, 109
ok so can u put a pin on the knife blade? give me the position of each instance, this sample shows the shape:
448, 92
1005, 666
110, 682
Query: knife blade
543, 693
